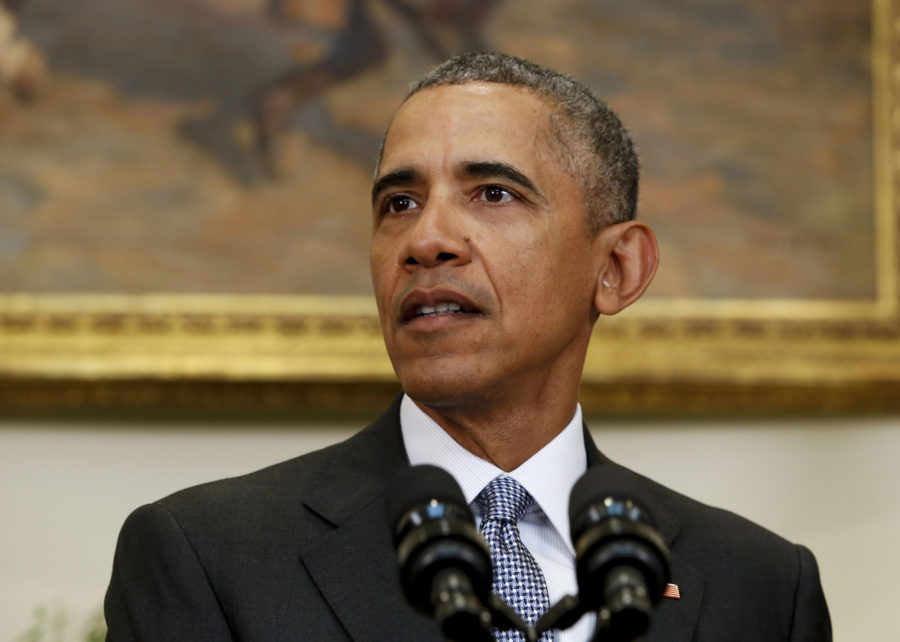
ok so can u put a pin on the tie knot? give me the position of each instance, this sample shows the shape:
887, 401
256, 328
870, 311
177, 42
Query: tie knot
504, 499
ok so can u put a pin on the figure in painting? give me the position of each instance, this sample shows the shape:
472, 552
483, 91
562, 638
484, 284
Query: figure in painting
22, 66
359, 44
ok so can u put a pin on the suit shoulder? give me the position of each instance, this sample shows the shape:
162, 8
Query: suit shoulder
751, 578
283, 487
715, 532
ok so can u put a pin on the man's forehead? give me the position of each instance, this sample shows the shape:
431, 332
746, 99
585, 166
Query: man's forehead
508, 115
469, 95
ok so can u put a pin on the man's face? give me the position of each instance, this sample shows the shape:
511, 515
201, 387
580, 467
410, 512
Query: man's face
483, 267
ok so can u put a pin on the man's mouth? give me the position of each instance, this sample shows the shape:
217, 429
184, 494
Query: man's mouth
435, 303
443, 307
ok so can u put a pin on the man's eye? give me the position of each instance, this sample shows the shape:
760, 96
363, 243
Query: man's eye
399, 203
496, 194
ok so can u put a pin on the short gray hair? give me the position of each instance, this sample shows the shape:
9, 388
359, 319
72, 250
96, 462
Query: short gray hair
597, 148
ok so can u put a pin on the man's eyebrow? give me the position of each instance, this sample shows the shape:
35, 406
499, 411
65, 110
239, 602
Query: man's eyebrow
487, 169
399, 178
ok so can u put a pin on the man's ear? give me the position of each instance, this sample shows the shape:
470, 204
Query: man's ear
631, 256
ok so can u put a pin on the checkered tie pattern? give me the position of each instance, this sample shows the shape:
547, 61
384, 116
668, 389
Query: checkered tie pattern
517, 576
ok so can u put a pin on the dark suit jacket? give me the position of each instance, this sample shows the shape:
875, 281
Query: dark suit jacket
301, 551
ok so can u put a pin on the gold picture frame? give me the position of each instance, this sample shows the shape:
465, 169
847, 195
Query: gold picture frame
325, 354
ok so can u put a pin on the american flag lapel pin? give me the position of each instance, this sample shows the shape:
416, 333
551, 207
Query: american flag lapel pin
672, 591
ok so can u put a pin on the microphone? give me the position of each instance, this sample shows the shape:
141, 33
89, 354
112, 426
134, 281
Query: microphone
621, 561
445, 566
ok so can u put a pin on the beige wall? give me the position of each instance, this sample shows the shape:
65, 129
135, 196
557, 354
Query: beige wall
832, 484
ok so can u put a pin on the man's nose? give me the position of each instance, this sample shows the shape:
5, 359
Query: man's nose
436, 238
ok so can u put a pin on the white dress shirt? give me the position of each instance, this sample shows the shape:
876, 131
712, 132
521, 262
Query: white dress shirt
548, 476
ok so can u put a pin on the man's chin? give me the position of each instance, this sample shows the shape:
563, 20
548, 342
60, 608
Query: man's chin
444, 390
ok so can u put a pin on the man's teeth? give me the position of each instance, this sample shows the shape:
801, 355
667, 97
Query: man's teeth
438, 308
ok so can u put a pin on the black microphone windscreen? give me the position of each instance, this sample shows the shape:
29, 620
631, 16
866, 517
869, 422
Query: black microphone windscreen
418, 485
599, 482
621, 561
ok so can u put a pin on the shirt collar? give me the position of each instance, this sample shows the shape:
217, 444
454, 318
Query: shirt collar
427, 443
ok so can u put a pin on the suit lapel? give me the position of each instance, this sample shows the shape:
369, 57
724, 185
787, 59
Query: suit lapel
673, 620
345, 544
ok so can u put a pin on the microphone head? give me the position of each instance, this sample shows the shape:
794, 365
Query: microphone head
426, 486
613, 529
434, 533
600, 490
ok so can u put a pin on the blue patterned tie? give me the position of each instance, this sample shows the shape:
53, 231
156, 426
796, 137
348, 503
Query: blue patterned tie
517, 577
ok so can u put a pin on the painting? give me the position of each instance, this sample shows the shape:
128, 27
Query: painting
184, 184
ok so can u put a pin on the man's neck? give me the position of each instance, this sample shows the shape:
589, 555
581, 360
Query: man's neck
506, 435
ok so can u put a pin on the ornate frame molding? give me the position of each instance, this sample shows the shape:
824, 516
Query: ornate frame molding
325, 354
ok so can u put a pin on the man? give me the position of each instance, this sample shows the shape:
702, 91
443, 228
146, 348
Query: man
503, 228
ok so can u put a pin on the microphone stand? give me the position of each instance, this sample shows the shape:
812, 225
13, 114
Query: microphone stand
613, 625
463, 618
503, 617
476, 624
